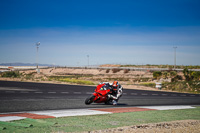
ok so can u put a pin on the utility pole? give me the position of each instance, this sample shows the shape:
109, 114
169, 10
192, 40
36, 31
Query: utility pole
37, 47
174, 57
88, 60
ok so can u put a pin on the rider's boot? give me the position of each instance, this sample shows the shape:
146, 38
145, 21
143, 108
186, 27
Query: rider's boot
114, 102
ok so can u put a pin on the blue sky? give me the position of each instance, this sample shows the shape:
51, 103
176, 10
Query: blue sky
109, 31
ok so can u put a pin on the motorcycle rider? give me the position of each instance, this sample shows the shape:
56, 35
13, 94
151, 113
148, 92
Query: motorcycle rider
116, 91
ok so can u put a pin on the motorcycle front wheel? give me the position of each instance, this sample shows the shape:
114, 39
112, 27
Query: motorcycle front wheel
90, 99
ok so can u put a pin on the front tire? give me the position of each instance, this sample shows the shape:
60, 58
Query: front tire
89, 100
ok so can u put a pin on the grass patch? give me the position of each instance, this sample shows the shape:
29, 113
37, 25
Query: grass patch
77, 81
97, 122
116, 79
148, 84
11, 74
70, 76
29, 76
72, 79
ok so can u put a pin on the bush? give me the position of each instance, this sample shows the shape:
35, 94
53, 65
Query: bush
194, 86
165, 75
126, 70
11, 74
196, 76
157, 74
115, 70
108, 70
183, 86
191, 75
179, 77
187, 75
173, 74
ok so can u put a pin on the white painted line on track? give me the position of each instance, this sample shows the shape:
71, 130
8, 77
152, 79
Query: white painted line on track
24, 92
65, 92
38, 92
77, 92
183, 95
51, 92
164, 94
70, 112
133, 93
192, 95
89, 92
167, 107
11, 118
154, 94
173, 95
144, 94
124, 93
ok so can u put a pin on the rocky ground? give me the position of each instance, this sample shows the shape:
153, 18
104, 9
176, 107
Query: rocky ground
183, 126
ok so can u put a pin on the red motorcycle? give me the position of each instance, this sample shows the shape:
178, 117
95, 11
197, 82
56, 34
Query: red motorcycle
100, 95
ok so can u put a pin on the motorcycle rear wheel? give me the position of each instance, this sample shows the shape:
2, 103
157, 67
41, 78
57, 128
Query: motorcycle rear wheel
89, 100
109, 102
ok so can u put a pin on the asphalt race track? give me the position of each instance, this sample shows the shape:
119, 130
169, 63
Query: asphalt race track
26, 96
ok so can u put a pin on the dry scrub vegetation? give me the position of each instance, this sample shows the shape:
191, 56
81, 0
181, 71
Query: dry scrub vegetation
171, 80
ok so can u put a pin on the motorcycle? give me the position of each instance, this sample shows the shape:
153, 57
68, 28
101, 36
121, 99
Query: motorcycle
100, 95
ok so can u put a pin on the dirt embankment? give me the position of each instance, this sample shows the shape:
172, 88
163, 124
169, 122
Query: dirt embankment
183, 126
128, 78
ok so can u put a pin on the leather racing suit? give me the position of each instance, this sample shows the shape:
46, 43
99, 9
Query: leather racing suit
115, 94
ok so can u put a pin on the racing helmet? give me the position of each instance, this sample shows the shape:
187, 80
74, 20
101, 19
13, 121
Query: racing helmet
115, 85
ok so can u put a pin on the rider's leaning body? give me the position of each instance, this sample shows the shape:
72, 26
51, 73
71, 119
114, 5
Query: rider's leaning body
116, 91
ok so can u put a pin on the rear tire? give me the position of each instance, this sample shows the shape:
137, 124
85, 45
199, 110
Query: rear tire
89, 100
109, 102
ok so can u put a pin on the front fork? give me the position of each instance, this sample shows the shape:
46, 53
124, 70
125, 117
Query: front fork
96, 96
